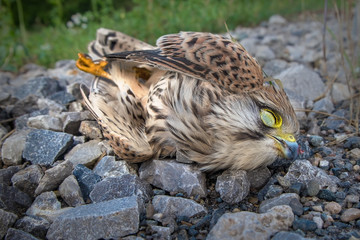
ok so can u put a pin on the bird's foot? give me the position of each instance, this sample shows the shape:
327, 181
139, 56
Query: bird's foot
86, 64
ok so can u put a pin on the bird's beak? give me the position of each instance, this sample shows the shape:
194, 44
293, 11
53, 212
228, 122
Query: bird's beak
287, 145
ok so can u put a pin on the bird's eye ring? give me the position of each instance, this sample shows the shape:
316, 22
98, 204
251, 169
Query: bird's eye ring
270, 118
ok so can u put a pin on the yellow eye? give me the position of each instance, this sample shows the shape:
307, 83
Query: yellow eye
270, 118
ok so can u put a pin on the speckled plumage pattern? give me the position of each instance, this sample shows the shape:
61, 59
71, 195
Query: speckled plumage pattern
198, 93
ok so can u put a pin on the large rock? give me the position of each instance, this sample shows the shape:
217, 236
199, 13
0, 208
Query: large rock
7, 219
109, 167
13, 148
28, 179
258, 177
173, 176
120, 187
110, 219
7, 173
303, 81
233, 186
34, 225
86, 179
13, 200
248, 225
290, 199
41, 87
176, 206
15, 234
45, 122
46, 206
70, 191
44, 147
86, 153
54, 176
303, 171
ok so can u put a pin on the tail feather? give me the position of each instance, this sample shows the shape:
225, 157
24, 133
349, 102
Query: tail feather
110, 41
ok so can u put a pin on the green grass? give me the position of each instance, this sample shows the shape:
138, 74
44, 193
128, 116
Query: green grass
147, 20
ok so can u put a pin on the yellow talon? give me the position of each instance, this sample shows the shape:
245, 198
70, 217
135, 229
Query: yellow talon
86, 64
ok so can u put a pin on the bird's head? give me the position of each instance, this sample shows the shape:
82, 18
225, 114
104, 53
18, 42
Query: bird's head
253, 129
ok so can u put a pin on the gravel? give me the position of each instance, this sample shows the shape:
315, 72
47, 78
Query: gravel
59, 179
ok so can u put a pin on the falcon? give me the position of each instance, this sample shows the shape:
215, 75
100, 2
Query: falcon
198, 93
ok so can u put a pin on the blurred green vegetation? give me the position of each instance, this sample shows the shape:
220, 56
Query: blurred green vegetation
45, 31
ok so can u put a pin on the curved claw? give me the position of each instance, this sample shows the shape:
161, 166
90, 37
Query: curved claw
86, 64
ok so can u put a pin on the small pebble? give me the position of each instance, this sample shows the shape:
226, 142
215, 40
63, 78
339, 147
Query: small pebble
333, 207
313, 187
326, 195
350, 214
304, 225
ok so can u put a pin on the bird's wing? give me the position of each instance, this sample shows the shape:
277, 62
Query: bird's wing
110, 41
202, 55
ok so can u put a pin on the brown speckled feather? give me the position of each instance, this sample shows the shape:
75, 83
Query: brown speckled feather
205, 56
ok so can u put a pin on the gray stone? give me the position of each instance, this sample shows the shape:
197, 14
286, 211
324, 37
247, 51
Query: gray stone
304, 225
340, 92
45, 122
34, 225
90, 129
46, 206
15, 234
289, 199
294, 53
4, 96
303, 81
41, 87
283, 235
3, 131
277, 20
70, 191
109, 167
316, 141
275, 66
72, 121
303, 171
24, 106
273, 191
258, 177
352, 142
86, 179
54, 176
313, 187
28, 179
120, 187
298, 102
13, 200
7, 173
87, 153
264, 53
250, 44
21, 121
62, 97
110, 219
7, 220
173, 176
334, 122
233, 186
159, 232
323, 105
248, 225
176, 206
13, 147
52, 106
44, 147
